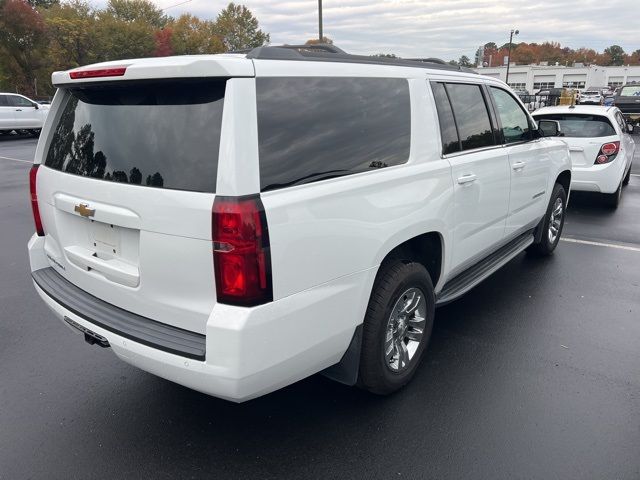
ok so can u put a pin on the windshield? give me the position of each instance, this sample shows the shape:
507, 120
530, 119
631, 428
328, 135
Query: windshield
163, 134
581, 125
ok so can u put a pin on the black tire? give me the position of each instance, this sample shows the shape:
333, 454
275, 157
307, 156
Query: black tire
612, 200
395, 278
545, 246
627, 177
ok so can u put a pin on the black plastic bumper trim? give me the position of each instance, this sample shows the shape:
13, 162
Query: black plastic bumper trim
121, 322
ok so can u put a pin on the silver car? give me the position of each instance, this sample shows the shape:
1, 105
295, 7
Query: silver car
591, 97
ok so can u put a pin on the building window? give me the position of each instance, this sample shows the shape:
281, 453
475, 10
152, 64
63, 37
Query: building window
518, 86
574, 84
541, 85
615, 84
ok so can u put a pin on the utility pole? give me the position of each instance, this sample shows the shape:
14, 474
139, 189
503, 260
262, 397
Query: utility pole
320, 36
509, 54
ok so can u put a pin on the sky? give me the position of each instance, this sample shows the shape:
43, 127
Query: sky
436, 28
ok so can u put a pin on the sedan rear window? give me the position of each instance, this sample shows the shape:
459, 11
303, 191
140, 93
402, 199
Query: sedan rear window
163, 134
581, 125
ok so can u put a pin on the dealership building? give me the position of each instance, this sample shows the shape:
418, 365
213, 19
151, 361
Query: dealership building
535, 77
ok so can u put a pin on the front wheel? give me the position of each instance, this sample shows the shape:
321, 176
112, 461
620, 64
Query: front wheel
397, 327
552, 224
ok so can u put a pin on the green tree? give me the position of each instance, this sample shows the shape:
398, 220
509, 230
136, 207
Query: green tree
238, 28
137, 11
193, 36
464, 61
616, 54
70, 27
119, 38
43, 3
22, 42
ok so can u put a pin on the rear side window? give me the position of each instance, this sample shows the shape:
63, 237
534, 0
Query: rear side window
581, 125
448, 131
4, 101
515, 123
163, 134
313, 128
471, 114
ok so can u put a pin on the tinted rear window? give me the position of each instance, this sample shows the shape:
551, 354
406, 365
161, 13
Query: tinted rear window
158, 134
471, 114
311, 129
448, 131
581, 125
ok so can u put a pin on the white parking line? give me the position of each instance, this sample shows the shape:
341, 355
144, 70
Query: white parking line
635, 174
601, 244
16, 159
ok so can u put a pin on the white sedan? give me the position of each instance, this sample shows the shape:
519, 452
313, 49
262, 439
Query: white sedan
601, 147
18, 112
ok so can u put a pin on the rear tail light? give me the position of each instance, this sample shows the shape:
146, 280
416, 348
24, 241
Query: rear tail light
241, 254
34, 200
608, 152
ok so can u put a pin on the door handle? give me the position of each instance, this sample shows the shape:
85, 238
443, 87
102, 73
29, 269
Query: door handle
468, 178
18, 109
517, 166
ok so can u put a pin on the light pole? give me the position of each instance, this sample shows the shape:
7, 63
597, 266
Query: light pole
320, 20
509, 54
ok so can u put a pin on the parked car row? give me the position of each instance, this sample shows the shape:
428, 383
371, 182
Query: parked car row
19, 113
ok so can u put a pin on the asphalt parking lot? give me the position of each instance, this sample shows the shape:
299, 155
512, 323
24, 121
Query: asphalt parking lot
533, 374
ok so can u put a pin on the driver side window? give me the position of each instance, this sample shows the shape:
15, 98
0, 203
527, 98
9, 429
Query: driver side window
515, 123
20, 101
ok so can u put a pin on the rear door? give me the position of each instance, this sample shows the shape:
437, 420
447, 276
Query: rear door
480, 170
528, 160
126, 188
7, 114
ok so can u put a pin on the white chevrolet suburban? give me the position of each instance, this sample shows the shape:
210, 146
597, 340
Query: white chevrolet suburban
235, 223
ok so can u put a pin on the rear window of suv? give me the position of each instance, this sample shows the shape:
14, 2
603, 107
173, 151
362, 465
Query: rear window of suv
630, 91
581, 125
163, 134
314, 128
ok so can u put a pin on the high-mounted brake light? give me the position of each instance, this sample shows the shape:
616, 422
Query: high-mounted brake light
241, 252
608, 152
98, 72
34, 200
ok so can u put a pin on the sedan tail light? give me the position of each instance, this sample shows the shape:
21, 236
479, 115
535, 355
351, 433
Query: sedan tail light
608, 152
241, 251
34, 200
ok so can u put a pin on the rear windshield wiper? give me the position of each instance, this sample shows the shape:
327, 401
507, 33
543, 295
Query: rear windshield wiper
313, 177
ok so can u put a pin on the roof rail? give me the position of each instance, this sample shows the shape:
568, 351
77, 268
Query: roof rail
320, 52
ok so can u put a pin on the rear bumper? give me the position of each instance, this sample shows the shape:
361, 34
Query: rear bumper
598, 178
248, 351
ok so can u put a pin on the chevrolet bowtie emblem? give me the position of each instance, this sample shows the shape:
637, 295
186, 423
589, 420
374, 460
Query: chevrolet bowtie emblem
84, 210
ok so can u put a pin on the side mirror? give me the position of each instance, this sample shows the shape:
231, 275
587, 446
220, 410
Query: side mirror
36, 106
630, 128
549, 128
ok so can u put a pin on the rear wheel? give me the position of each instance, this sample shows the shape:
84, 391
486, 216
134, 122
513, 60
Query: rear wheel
397, 327
612, 200
552, 224
627, 177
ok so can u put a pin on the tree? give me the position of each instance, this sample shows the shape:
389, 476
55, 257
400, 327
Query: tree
192, 36
118, 37
315, 41
163, 39
616, 55
137, 11
22, 42
464, 61
70, 29
43, 3
238, 28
